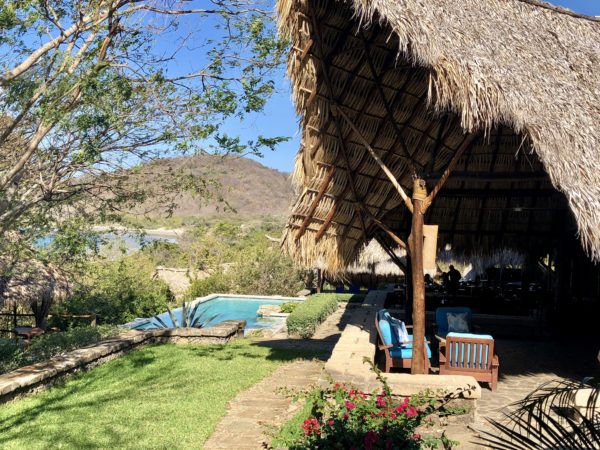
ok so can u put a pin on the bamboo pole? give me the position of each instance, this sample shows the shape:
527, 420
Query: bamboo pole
415, 243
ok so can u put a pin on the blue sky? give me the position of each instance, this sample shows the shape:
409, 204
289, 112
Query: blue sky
279, 118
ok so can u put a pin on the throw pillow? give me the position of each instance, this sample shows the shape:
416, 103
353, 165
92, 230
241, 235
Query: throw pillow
457, 323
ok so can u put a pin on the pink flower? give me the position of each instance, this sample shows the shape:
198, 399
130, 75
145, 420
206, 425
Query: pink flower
331, 422
381, 401
311, 426
349, 405
411, 412
415, 437
346, 416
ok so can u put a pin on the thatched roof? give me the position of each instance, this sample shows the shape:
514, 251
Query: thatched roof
30, 281
373, 259
514, 84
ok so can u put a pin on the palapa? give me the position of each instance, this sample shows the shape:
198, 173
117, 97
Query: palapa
512, 86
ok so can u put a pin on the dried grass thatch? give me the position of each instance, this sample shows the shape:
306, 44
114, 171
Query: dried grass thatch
31, 281
513, 83
374, 260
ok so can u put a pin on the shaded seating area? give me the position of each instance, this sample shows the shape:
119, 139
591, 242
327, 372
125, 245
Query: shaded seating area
398, 352
413, 139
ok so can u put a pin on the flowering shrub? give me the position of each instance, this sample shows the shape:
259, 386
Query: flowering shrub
343, 417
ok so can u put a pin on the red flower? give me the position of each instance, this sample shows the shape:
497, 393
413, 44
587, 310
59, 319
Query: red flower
346, 416
381, 402
415, 437
311, 426
349, 405
336, 386
331, 422
411, 412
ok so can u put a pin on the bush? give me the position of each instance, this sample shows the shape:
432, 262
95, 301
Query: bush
214, 284
120, 291
289, 307
341, 416
48, 345
310, 313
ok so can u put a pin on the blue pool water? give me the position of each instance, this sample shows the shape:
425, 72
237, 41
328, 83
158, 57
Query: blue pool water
224, 308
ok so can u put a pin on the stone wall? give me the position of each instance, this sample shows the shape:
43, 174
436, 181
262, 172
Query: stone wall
30, 379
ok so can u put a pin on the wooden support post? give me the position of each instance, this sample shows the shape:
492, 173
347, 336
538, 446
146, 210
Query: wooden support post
415, 243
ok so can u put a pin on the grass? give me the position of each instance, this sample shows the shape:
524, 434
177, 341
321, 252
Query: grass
291, 431
160, 397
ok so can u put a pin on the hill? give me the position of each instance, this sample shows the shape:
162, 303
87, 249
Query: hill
239, 188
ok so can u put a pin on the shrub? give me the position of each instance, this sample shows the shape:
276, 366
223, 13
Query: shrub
49, 345
214, 284
341, 416
310, 313
289, 307
120, 291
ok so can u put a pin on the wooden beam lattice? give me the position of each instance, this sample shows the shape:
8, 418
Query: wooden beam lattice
378, 160
337, 124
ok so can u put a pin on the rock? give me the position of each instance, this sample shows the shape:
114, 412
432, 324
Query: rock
268, 310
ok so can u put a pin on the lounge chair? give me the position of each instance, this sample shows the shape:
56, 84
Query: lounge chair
470, 354
441, 328
397, 354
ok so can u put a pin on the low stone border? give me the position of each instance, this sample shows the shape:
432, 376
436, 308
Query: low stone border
30, 379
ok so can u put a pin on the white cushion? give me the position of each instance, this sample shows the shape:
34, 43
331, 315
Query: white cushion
457, 322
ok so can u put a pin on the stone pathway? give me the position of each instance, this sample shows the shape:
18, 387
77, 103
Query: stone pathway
256, 411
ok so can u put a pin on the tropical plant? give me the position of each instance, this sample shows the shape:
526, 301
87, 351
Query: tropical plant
189, 318
547, 419
341, 416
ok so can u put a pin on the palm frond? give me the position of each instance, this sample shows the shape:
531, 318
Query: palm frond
547, 418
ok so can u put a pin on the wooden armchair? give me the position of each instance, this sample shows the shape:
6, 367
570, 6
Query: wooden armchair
470, 354
397, 354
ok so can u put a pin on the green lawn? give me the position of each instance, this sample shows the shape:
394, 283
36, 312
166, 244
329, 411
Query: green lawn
162, 396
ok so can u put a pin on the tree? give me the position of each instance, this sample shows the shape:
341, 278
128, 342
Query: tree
91, 88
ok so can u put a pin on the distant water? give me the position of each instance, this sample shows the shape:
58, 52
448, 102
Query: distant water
131, 242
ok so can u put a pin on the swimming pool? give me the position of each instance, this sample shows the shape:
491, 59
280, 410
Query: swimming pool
224, 307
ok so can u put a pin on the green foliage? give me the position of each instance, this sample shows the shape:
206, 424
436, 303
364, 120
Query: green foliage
350, 298
310, 313
214, 284
289, 307
119, 291
189, 318
181, 391
48, 345
241, 261
340, 416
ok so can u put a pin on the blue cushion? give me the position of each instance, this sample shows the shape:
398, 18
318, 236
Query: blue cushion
459, 358
388, 334
441, 318
406, 351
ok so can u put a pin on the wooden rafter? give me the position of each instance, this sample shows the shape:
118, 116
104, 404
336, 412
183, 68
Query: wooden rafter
315, 202
338, 127
388, 111
382, 166
467, 144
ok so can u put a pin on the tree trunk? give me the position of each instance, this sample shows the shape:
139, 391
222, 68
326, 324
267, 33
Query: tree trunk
419, 365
